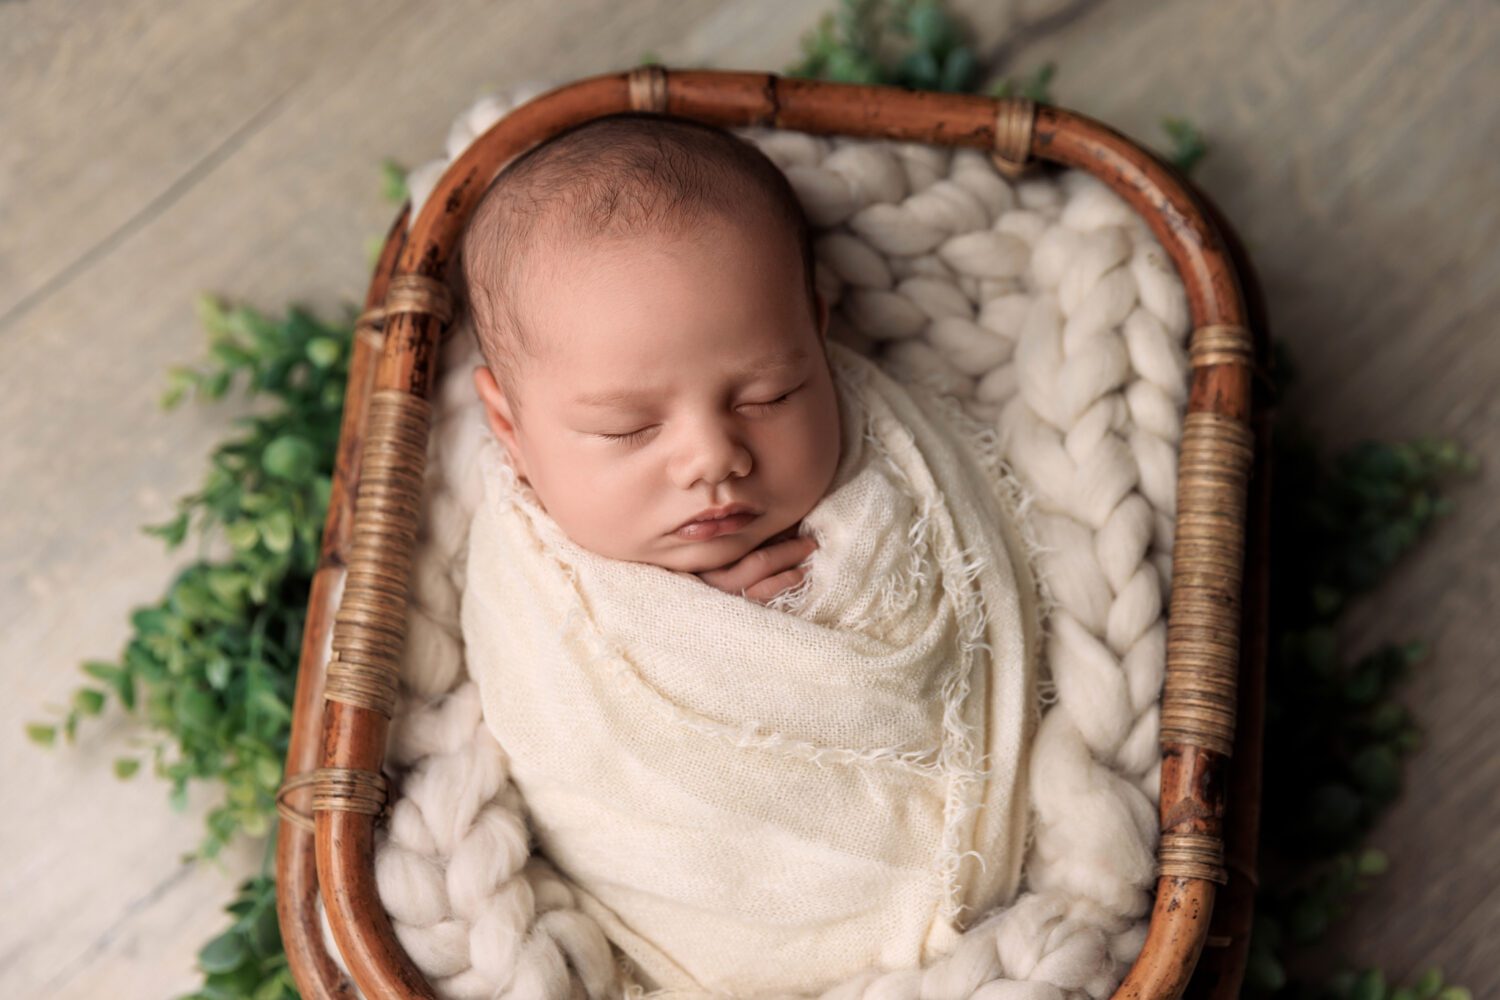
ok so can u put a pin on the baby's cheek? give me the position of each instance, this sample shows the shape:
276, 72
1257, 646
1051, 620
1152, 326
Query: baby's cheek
817, 460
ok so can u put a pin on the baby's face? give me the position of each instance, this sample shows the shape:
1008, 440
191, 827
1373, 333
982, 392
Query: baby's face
671, 377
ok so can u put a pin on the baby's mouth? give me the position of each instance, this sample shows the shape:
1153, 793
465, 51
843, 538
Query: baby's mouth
721, 521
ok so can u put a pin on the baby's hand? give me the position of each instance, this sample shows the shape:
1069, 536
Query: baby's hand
763, 573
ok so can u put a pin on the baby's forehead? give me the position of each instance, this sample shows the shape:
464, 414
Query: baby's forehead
557, 249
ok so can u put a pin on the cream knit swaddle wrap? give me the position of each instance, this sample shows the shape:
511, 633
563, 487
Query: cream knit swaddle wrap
753, 797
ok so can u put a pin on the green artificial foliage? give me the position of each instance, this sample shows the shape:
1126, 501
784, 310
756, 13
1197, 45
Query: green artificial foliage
1188, 144
393, 182
209, 670
909, 43
1338, 734
247, 961
1036, 87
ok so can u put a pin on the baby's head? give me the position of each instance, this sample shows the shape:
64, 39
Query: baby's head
642, 291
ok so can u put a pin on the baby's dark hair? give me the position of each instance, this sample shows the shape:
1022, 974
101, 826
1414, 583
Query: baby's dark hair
617, 175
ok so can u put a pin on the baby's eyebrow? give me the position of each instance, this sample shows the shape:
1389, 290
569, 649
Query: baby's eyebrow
619, 397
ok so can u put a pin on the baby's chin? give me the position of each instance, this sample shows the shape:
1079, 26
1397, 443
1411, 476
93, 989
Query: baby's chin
716, 553
700, 557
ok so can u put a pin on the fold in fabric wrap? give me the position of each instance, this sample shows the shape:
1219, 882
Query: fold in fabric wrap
755, 798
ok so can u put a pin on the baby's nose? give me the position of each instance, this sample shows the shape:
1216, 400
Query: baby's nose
714, 458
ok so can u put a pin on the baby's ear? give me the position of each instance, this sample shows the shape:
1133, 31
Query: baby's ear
497, 413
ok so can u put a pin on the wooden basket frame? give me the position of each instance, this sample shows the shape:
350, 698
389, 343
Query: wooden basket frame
1213, 698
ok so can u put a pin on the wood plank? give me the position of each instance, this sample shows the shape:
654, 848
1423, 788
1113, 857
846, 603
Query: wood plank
234, 147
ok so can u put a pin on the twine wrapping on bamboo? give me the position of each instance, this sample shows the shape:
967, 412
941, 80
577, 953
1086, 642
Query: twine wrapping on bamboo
648, 89
346, 789
370, 327
1198, 702
370, 626
1220, 344
1015, 118
416, 293
1192, 855
299, 818
334, 789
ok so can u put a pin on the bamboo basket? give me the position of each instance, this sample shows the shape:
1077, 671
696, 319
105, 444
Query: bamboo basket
1213, 698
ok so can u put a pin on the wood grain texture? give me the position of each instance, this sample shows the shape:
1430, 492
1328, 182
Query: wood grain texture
155, 150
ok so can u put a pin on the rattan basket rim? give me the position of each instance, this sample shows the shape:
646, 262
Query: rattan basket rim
341, 732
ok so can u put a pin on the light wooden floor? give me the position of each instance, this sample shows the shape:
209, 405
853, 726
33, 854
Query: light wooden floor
152, 149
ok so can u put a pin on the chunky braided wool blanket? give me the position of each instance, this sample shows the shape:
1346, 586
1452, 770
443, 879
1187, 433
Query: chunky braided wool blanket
1043, 308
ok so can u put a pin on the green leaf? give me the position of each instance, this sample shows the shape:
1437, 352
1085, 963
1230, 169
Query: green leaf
190, 598
324, 352
243, 535
106, 672
930, 26
41, 734
1430, 982
1309, 921
228, 585
223, 954
1188, 145
373, 246
268, 771
265, 933
1264, 971
393, 182
87, 701
1369, 986
118, 678
277, 531
1378, 771
1335, 809
217, 672
255, 824
196, 710
215, 385
172, 532
920, 70
1038, 87
180, 380
126, 767
959, 69
289, 457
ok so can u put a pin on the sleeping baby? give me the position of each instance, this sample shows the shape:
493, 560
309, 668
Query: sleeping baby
749, 618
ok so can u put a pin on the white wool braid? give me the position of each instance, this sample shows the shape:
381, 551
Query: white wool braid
1048, 310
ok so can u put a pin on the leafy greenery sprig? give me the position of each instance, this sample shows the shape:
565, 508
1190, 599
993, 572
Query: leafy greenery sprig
919, 44
1341, 734
211, 668
248, 960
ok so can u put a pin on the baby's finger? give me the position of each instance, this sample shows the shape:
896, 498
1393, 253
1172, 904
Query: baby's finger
769, 588
760, 564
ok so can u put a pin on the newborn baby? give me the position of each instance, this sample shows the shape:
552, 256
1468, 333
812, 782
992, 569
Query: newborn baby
747, 795
674, 404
